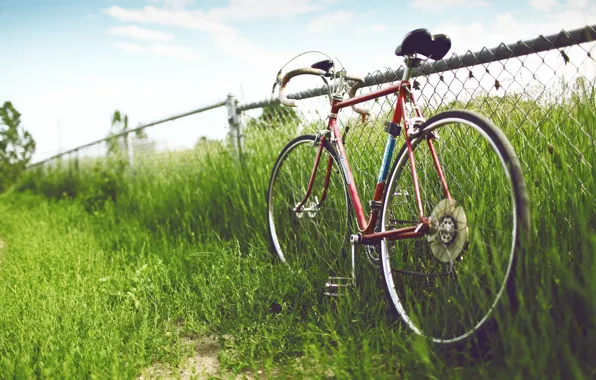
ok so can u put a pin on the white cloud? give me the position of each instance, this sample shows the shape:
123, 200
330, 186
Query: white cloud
169, 17
141, 33
330, 21
179, 52
576, 4
224, 36
130, 47
543, 5
252, 10
213, 18
249, 9
440, 5
213, 21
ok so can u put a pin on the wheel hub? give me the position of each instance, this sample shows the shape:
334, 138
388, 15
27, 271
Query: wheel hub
448, 234
447, 230
312, 209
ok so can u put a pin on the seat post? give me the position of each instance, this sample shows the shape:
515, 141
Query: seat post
407, 74
411, 62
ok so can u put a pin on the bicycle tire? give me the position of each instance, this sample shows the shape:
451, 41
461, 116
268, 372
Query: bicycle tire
325, 251
496, 139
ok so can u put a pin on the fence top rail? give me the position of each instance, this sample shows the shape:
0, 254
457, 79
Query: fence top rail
132, 130
501, 52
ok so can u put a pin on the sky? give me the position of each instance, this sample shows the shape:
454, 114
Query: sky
66, 65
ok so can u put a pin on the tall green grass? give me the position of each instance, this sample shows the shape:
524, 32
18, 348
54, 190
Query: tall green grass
179, 247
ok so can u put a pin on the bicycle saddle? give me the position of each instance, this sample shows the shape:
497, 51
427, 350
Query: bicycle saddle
420, 41
325, 65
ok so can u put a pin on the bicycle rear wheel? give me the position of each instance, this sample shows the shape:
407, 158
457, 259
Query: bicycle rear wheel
316, 237
445, 285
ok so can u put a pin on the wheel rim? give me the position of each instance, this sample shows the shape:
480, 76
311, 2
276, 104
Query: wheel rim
315, 237
426, 303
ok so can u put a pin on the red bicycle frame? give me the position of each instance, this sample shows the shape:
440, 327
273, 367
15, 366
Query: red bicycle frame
366, 227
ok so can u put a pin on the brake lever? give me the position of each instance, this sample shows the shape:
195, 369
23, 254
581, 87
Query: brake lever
273, 91
277, 82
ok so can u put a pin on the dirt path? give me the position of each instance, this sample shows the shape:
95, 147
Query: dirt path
202, 365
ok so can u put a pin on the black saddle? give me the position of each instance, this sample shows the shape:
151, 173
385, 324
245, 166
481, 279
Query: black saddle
420, 41
325, 65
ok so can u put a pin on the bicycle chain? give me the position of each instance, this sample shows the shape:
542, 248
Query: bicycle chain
440, 274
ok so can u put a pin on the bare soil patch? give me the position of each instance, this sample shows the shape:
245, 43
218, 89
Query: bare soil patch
204, 364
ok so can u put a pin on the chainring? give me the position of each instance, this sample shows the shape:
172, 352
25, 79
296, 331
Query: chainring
372, 254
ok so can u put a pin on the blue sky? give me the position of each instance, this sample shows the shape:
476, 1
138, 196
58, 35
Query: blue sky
72, 63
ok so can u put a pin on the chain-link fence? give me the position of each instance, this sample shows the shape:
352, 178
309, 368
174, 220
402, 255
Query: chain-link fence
147, 144
539, 91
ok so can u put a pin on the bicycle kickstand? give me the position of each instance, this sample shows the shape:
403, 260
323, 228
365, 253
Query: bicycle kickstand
334, 284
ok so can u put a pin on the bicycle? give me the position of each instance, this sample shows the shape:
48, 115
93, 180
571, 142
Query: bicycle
426, 260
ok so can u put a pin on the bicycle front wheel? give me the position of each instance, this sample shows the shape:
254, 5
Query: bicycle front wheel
446, 285
314, 237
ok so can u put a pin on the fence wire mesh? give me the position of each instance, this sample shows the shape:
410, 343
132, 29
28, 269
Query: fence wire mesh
151, 146
540, 92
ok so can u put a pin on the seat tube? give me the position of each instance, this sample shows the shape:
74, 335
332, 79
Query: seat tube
405, 78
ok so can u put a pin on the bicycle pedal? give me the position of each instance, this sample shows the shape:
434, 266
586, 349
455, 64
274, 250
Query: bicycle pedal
335, 283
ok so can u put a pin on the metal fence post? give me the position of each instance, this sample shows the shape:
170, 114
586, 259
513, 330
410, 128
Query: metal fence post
130, 150
76, 160
236, 138
70, 164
